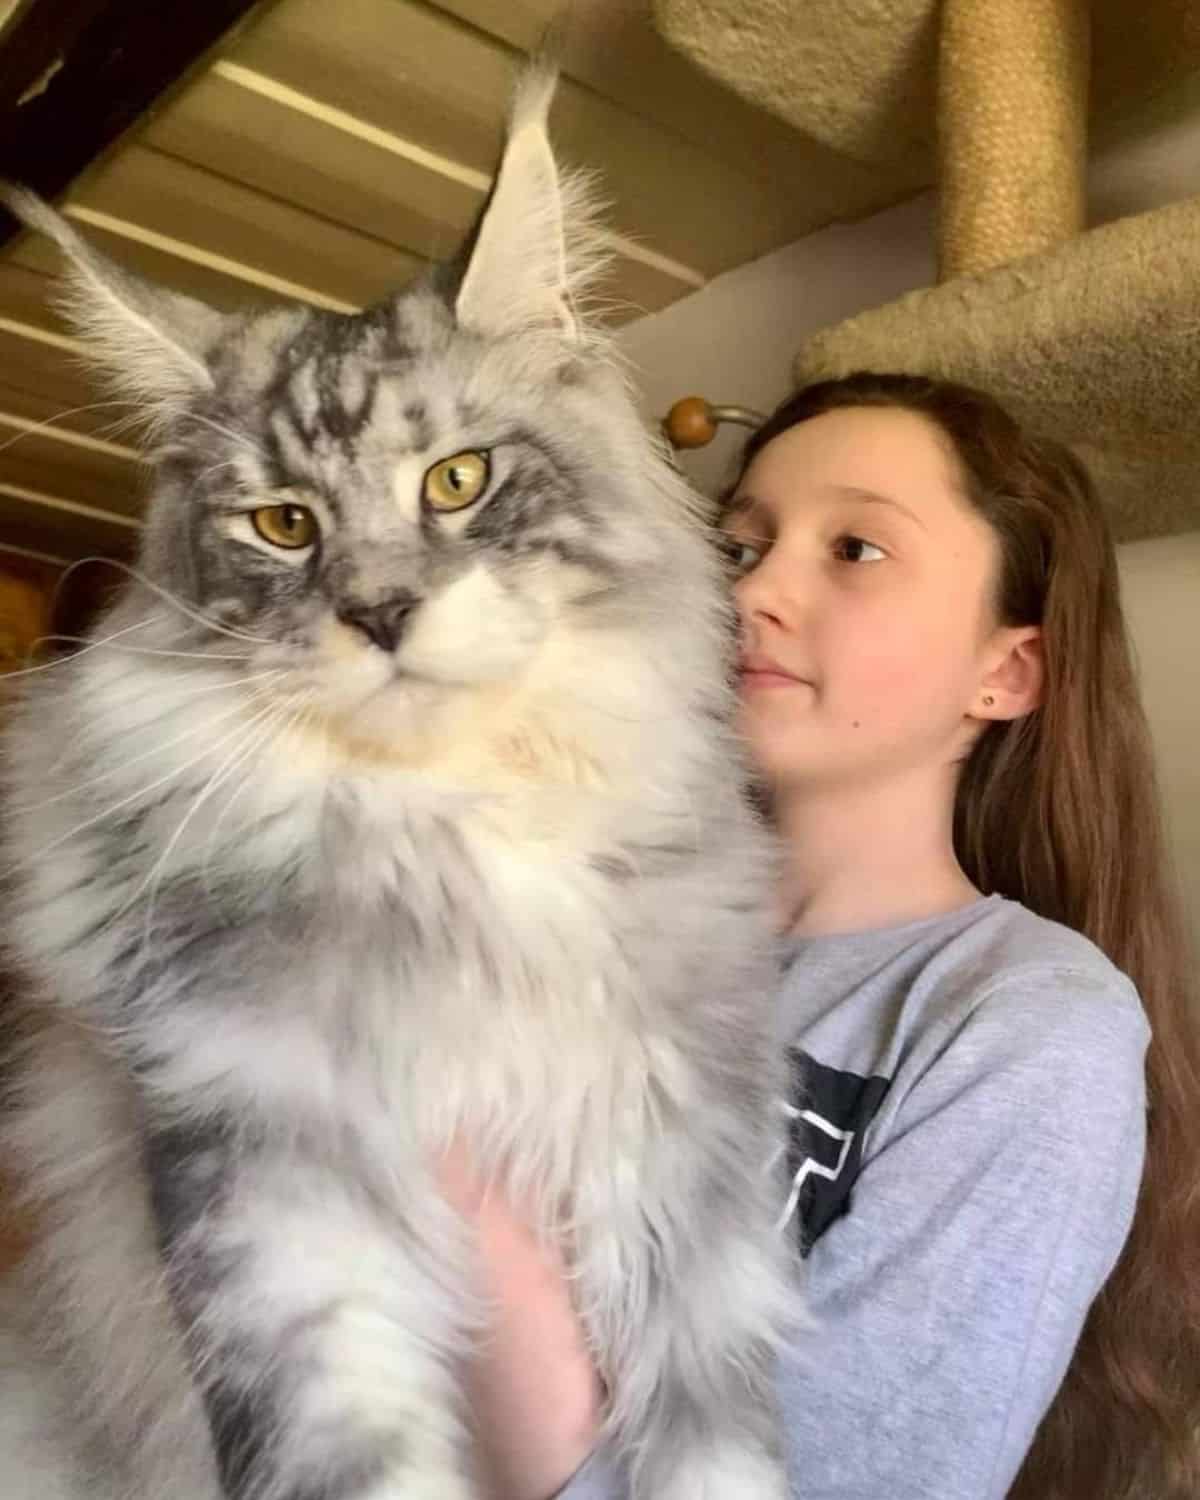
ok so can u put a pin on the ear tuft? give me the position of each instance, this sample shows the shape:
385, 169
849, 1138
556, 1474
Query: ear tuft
537, 249
151, 342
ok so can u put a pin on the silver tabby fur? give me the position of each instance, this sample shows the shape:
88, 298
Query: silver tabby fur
433, 829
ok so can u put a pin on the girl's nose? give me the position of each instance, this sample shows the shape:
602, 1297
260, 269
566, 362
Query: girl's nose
757, 595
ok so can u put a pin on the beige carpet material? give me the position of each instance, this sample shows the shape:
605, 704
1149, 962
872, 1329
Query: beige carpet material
1012, 94
1096, 342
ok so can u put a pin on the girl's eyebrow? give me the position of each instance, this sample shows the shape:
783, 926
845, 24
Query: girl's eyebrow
872, 497
744, 505
741, 504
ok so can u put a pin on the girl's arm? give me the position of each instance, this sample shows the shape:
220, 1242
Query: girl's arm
536, 1397
947, 1301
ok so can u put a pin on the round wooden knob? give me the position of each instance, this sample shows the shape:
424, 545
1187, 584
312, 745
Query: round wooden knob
690, 423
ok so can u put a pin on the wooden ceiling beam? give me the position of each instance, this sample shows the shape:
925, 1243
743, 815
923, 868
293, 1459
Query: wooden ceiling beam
76, 74
40, 521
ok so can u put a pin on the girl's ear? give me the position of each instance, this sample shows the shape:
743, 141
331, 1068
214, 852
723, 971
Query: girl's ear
1013, 683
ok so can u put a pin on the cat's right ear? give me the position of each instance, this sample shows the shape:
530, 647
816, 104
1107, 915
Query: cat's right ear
150, 342
537, 247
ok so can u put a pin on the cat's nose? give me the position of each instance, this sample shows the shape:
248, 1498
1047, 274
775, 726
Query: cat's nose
381, 623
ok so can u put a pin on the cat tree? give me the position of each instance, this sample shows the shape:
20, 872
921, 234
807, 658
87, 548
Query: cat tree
1090, 335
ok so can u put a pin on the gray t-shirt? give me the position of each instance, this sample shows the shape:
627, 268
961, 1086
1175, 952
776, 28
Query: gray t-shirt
965, 1141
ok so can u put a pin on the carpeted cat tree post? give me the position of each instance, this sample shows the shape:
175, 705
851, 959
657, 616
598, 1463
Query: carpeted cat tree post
1091, 336
1012, 88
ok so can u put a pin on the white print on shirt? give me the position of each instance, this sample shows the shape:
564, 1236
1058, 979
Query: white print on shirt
810, 1164
826, 1119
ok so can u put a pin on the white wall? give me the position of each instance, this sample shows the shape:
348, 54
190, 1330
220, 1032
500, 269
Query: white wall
734, 341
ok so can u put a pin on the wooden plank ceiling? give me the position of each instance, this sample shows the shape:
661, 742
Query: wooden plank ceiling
327, 151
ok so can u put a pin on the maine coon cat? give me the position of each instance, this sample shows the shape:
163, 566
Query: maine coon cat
394, 803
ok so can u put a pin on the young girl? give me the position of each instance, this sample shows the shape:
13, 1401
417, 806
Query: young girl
981, 942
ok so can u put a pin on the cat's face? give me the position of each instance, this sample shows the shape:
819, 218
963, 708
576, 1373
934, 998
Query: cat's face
394, 506
436, 498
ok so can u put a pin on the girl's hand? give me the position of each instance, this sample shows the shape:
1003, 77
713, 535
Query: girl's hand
536, 1398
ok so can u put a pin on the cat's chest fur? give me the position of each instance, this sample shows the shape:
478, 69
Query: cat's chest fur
547, 953
435, 965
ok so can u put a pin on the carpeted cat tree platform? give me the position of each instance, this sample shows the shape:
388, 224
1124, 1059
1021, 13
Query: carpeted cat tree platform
1093, 336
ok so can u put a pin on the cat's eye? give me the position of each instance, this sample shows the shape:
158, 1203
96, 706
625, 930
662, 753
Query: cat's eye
456, 482
290, 526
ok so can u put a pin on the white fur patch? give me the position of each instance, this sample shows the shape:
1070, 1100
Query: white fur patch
408, 476
474, 631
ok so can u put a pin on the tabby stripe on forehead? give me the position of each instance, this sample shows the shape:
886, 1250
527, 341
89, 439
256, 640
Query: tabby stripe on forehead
288, 452
293, 413
343, 419
420, 426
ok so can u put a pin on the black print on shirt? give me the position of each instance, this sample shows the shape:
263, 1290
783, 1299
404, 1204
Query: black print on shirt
827, 1113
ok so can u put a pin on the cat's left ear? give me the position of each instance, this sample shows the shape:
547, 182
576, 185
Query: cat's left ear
152, 343
536, 245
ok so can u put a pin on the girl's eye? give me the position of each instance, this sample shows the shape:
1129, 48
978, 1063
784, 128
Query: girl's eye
743, 555
456, 482
288, 526
856, 549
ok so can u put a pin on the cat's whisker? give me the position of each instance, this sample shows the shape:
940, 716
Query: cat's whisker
149, 650
230, 686
301, 717
722, 534
255, 695
238, 737
227, 463
242, 439
141, 624
47, 666
309, 714
59, 416
245, 746
116, 807
307, 702
170, 598
135, 422
178, 739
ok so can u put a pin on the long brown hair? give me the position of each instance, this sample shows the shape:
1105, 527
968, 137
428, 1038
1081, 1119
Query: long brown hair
1059, 810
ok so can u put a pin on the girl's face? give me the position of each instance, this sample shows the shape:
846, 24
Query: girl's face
865, 599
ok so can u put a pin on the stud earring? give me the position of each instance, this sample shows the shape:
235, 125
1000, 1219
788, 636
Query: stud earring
988, 700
